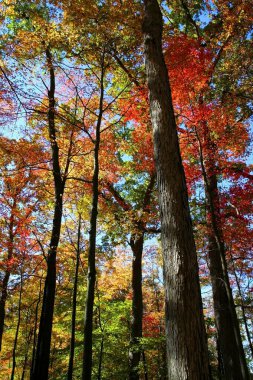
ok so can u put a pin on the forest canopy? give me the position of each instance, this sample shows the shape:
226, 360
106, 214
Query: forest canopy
126, 189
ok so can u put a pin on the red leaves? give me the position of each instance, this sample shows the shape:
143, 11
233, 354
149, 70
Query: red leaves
189, 67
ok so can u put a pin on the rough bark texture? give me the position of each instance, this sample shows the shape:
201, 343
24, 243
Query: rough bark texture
88, 318
231, 354
41, 365
185, 333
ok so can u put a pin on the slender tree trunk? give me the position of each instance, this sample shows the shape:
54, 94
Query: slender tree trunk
100, 358
28, 342
243, 310
17, 329
35, 330
101, 352
4, 290
88, 318
73, 322
136, 243
187, 356
2, 304
41, 365
233, 362
145, 367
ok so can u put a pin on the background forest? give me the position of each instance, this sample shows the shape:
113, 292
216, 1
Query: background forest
79, 212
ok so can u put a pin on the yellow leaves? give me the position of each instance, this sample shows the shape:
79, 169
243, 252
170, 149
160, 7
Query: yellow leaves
115, 280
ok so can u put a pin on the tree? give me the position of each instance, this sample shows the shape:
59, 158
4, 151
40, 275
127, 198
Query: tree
19, 198
184, 319
199, 113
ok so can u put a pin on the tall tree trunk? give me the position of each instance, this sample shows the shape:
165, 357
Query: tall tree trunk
73, 321
28, 342
4, 290
101, 351
88, 318
187, 356
243, 309
17, 328
3, 303
35, 330
41, 365
100, 361
231, 353
136, 243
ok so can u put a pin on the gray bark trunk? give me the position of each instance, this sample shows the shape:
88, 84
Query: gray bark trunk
187, 356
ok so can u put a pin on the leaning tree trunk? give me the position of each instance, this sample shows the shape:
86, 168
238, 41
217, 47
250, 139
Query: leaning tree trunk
88, 318
231, 354
187, 356
41, 365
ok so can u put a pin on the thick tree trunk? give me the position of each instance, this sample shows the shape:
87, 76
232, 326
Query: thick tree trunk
73, 321
136, 243
231, 353
185, 332
88, 318
41, 365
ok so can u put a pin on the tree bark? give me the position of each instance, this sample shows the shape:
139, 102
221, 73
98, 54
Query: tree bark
28, 342
244, 317
231, 353
88, 318
187, 356
35, 330
41, 365
17, 328
136, 243
7, 274
73, 321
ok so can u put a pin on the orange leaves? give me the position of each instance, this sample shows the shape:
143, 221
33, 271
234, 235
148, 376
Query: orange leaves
136, 114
